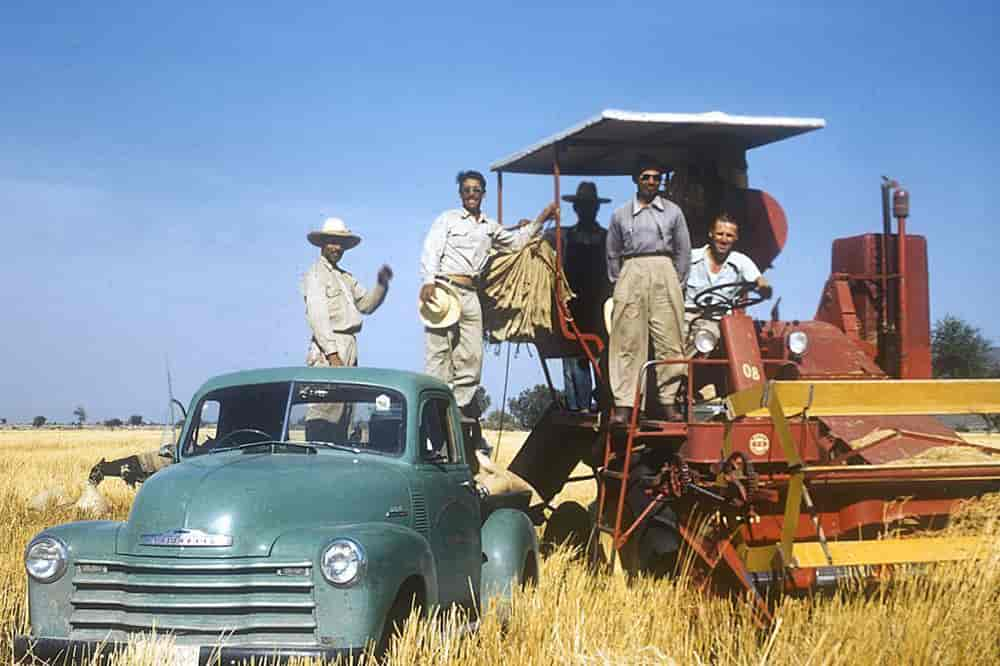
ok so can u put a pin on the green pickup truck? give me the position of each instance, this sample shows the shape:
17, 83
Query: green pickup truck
309, 510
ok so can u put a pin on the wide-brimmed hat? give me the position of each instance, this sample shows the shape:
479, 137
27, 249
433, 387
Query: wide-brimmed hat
334, 232
585, 191
441, 310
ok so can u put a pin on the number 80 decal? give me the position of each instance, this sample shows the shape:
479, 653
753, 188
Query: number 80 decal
751, 371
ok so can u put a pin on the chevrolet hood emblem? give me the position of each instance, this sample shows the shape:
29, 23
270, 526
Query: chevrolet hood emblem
184, 537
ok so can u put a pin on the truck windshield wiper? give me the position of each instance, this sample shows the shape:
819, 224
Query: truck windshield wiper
340, 447
267, 442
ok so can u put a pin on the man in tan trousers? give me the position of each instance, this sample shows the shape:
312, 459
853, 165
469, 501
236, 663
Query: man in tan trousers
455, 252
335, 300
649, 253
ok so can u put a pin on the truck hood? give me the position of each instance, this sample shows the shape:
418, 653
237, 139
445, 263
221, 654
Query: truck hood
255, 497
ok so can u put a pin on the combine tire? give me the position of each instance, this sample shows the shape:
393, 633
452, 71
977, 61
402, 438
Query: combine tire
570, 525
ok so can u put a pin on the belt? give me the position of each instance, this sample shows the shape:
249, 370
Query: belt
647, 254
460, 281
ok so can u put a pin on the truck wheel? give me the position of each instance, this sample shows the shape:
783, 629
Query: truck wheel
395, 619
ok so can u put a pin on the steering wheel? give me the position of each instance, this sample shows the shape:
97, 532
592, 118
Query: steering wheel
244, 431
712, 301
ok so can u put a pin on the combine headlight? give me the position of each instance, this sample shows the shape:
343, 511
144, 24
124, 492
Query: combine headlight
45, 559
798, 342
343, 562
705, 340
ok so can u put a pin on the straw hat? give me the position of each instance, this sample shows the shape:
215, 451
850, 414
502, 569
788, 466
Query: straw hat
442, 309
609, 306
334, 232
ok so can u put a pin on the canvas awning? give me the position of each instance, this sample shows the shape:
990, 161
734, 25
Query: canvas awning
608, 144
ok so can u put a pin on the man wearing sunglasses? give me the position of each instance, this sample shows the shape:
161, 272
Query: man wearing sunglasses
455, 252
649, 254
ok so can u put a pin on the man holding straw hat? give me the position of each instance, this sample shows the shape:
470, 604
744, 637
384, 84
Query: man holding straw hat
454, 256
335, 300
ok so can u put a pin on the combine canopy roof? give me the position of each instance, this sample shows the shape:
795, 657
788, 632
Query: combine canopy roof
607, 144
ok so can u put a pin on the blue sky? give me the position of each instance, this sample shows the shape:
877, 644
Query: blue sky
160, 165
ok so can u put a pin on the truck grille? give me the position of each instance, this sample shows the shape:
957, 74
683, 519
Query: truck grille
199, 603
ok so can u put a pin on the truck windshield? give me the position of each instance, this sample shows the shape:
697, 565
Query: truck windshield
364, 418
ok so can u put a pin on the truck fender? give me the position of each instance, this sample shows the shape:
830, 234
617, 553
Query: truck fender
510, 553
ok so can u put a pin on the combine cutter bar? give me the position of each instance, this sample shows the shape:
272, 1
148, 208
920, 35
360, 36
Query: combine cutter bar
860, 553
780, 400
870, 398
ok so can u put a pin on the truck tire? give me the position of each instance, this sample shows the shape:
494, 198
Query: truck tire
395, 619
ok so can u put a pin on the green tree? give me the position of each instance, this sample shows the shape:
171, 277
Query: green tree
135, 420
81, 415
492, 421
959, 350
483, 398
114, 423
38, 421
530, 404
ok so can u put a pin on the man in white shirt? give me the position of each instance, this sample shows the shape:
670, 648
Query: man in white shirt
714, 264
455, 252
335, 300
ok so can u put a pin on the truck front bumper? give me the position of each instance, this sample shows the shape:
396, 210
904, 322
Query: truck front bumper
29, 649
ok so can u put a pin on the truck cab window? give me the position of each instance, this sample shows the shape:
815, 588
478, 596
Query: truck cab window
437, 437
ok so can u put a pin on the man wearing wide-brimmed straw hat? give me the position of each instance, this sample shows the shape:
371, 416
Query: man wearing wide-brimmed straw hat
454, 256
584, 261
335, 300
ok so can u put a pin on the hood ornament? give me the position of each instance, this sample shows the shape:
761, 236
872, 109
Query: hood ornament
185, 537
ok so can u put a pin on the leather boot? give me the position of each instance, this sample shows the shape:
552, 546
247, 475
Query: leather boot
620, 417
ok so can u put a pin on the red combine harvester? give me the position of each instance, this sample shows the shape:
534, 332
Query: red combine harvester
792, 462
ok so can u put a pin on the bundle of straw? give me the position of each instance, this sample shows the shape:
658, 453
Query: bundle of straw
519, 294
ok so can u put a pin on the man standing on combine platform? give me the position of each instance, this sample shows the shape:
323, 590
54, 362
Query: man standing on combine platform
649, 252
455, 252
584, 261
335, 301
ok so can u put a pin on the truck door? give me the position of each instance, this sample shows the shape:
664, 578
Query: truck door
452, 503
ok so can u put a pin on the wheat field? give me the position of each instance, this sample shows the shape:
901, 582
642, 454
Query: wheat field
948, 615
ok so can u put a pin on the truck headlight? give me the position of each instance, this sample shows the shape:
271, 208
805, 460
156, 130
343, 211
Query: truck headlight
798, 342
45, 559
343, 562
705, 340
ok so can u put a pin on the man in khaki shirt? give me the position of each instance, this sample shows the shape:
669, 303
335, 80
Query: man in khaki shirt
335, 300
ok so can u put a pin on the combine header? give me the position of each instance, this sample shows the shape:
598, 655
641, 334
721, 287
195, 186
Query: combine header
802, 444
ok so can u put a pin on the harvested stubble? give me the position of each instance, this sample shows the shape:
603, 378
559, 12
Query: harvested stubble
947, 615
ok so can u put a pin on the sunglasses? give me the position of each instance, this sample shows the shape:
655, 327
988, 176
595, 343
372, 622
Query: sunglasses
472, 190
651, 176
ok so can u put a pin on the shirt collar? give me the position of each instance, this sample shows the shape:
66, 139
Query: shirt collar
701, 255
466, 215
327, 264
657, 203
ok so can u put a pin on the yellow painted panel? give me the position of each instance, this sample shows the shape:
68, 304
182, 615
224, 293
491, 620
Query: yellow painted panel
858, 553
873, 397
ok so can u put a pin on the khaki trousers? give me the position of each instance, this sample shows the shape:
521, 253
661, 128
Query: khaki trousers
648, 305
455, 354
328, 422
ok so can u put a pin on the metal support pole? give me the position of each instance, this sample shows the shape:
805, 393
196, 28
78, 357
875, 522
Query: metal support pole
901, 209
500, 199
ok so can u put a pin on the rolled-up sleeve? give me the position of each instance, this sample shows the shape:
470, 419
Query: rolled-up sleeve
430, 259
613, 247
367, 301
318, 314
681, 247
512, 241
